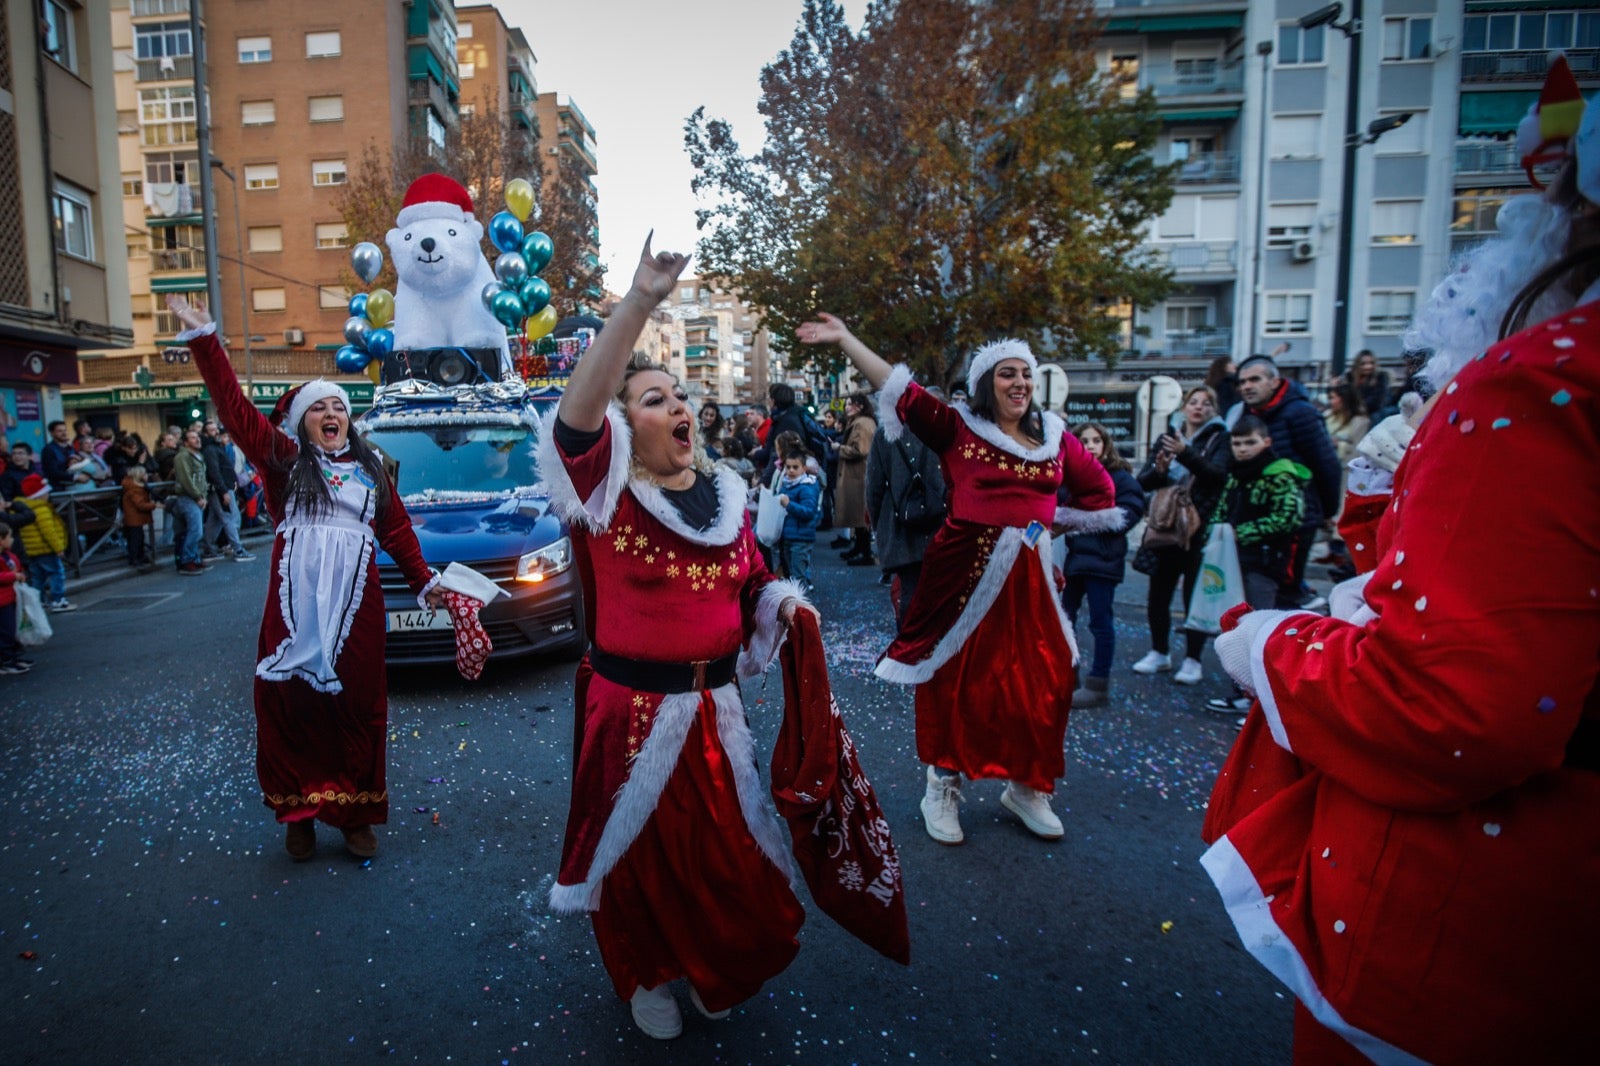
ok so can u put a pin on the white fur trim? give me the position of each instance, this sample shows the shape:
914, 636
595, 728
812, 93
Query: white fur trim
1365, 479
1269, 623
992, 434
310, 393
651, 770
770, 632
731, 513
985, 358
199, 331
1001, 561
1105, 520
596, 512
894, 387
433, 583
1252, 920
431, 209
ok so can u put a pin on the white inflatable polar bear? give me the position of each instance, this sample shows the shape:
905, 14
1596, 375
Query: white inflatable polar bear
442, 271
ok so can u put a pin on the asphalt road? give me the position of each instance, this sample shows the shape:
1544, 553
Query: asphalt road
149, 914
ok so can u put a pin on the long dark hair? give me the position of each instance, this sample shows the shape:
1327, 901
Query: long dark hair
981, 403
307, 490
1575, 271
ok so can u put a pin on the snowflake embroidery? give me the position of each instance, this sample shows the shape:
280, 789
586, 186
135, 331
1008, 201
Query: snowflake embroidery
672, 571
850, 875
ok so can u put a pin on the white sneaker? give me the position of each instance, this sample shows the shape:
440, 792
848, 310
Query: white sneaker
714, 1015
1190, 673
1033, 807
1153, 663
941, 808
655, 1012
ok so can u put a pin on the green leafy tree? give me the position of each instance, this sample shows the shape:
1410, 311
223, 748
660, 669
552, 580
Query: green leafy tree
951, 173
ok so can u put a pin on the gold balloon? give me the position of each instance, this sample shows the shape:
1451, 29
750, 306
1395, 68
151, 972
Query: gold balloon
380, 307
375, 371
541, 323
519, 198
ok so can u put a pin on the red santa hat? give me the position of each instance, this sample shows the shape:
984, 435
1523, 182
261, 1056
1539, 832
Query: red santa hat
435, 196
985, 358
35, 487
291, 408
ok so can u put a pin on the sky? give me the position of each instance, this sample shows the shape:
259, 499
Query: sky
637, 69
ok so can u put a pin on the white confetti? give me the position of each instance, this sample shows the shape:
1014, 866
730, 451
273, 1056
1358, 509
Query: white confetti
1564, 342
1326, 852
1338, 927
1396, 585
1361, 547
1399, 557
1422, 603
1491, 829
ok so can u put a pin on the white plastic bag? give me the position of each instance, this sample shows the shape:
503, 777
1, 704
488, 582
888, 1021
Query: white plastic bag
1220, 585
769, 518
33, 622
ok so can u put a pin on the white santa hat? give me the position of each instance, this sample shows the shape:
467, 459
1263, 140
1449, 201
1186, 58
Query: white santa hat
985, 358
435, 196
291, 408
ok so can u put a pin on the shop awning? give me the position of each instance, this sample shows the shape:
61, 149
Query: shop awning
1228, 20
174, 220
1204, 114
1494, 112
192, 283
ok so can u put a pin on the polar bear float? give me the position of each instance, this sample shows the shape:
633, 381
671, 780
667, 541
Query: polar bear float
442, 271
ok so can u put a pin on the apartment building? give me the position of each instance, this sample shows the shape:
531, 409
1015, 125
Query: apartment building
64, 279
725, 347
496, 63
567, 140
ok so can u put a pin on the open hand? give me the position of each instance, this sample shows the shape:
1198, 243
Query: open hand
192, 317
657, 272
827, 329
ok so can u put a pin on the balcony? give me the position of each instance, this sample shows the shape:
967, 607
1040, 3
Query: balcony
1205, 342
1189, 258
1208, 168
426, 92
1498, 158
1526, 66
266, 362
185, 259
1188, 79
146, 8
167, 68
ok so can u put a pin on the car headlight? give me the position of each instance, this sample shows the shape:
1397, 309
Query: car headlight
546, 562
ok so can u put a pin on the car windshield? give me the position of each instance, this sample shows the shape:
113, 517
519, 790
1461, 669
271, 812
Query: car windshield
445, 461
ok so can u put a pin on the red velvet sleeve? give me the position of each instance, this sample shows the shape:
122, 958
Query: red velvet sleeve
930, 418
396, 537
589, 468
261, 443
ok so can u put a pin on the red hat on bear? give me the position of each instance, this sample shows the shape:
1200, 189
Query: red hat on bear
435, 196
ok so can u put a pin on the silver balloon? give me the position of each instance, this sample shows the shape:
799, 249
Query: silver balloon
511, 268
489, 289
356, 328
367, 259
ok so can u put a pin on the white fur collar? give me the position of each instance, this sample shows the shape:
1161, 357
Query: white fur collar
992, 434
730, 509
894, 387
597, 511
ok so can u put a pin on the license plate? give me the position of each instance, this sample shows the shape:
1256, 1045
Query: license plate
399, 620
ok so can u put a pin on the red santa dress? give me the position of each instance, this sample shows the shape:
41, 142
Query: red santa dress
671, 844
321, 694
1407, 832
985, 639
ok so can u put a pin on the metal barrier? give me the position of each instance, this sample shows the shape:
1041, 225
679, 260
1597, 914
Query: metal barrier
92, 516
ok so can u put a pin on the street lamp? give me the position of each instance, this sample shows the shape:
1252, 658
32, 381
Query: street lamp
1351, 28
244, 311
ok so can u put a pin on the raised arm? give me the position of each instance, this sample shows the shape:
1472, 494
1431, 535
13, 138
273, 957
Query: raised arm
598, 375
829, 330
251, 430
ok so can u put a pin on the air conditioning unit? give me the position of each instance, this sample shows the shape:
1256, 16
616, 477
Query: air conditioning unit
1303, 251
294, 338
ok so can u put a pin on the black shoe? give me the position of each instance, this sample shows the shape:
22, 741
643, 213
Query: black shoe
839, 542
1230, 706
862, 560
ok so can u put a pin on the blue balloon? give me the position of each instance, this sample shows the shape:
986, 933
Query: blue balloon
505, 232
358, 305
507, 307
351, 360
535, 294
380, 342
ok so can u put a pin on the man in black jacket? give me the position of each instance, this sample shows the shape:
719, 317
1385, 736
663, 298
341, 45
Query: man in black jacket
222, 511
1298, 433
789, 417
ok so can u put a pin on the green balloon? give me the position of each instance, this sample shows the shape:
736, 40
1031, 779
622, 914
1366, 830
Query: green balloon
538, 250
507, 307
535, 295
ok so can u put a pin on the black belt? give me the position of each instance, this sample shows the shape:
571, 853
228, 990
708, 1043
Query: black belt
648, 676
1583, 748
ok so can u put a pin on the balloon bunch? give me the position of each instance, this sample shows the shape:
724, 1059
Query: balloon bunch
366, 331
520, 299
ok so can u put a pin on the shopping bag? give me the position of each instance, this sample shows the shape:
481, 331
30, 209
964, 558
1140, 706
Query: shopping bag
33, 623
1220, 584
769, 518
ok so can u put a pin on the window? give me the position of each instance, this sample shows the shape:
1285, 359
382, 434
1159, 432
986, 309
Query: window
1531, 32
463, 30
1179, 219
143, 8
1410, 139
166, 116
327, 172
261, 176
436, 132
138, 247
132, 184
266, 238
60, 35
333, 297
333, 235
467, 111
258, 113
467, 70
165, 168
1288, 223
322, 45
327, 109
167, 323
1295, 137
162, 40
74, 222
1286, 312
1407, 38
1390, 310
1187, 317
1396, 221
1298, 47
255, 49
268, 300
1124, 71
1477, 209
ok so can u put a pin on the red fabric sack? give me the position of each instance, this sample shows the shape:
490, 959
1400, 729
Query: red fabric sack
841, 839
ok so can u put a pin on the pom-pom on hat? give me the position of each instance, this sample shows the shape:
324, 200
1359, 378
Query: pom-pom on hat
291, 408
985, 358
435, 196
34, 486
1545, 134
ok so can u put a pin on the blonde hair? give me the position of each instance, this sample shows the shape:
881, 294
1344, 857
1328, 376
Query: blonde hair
138, 473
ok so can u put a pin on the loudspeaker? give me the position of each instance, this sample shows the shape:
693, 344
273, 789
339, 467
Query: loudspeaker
443, 366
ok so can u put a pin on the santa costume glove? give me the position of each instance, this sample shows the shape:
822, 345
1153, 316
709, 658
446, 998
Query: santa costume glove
1386, 443
1233, 646
1348, 601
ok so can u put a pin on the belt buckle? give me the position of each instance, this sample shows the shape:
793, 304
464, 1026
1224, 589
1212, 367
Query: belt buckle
700, 673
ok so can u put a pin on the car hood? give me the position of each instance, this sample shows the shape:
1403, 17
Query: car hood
480, 531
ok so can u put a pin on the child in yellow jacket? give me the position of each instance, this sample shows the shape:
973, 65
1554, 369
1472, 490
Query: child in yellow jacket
45, 539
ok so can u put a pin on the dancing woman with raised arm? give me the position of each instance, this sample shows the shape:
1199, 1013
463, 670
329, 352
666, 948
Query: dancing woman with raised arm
322, 705
984, 638
671, 845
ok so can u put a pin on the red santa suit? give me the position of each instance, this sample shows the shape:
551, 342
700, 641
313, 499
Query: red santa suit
1408, 831
671, 843
321, 695
985, 639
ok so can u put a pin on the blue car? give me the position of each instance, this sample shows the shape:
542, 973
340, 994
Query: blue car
464, 463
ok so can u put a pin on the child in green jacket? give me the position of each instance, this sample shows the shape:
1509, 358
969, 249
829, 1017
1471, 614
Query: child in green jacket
1264, 501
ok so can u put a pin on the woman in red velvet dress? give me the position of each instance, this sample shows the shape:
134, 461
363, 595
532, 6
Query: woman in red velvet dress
322, 706
984, 638
671, 845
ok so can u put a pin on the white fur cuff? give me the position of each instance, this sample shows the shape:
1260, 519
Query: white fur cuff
770, 632
1105, 520
894, 387
199, 331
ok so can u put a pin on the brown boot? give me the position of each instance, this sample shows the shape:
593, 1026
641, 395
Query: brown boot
1092, 694
361, 841
300, 839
